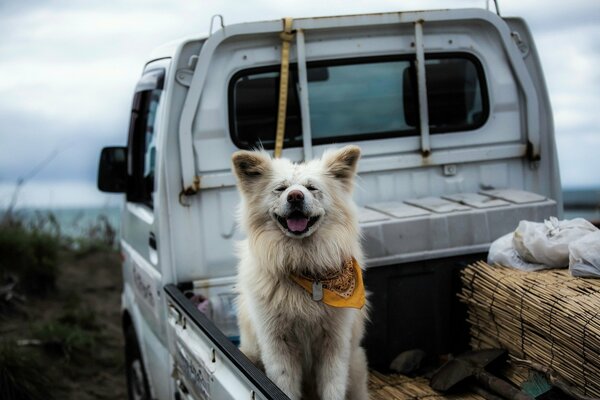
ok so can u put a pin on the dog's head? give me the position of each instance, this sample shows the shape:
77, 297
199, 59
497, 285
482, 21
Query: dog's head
296, 199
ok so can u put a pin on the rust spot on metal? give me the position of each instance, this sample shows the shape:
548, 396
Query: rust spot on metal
352, 15
189, 191
425, 154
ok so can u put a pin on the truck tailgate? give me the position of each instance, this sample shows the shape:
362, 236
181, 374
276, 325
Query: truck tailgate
207, 364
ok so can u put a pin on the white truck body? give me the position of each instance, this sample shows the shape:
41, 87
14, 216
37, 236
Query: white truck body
429, 188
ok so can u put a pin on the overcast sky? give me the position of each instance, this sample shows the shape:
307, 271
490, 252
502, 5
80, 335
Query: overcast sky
68, 68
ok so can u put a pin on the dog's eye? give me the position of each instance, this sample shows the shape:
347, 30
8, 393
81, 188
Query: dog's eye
311, 188
280, 189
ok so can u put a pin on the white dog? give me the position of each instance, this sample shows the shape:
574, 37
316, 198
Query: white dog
301, 304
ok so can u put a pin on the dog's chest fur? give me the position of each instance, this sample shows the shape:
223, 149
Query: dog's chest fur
283, 306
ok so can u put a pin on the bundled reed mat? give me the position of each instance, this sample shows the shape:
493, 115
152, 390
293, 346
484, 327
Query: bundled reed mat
401, 387
547, 319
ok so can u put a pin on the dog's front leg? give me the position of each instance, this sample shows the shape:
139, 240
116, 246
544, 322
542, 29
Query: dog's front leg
334, 357
282, 362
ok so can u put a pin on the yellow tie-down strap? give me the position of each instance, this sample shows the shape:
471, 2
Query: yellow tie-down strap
333, 299
284, 75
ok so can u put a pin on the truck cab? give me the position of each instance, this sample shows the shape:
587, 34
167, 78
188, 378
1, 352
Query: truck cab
451, 113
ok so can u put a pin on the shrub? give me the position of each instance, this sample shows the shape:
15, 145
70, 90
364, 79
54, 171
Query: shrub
30, 255
65, 339
21, 376
81, 318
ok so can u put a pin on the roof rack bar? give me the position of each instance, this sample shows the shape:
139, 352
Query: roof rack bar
487, 6
212, 20
422, 89
304, 105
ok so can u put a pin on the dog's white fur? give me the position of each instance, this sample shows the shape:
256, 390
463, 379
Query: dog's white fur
308, 349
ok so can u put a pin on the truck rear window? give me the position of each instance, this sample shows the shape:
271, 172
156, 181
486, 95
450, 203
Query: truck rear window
359, 99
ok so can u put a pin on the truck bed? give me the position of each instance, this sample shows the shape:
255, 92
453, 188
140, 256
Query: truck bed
400, 387
382, 386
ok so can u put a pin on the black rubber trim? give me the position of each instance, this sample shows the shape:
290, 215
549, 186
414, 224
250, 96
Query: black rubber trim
153, 79
266, 387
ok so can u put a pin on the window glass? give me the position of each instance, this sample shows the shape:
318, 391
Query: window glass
454, 94
359, 100
254, 100
150, 140
142, 146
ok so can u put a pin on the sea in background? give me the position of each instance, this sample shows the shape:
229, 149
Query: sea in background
582, 203
77, 222
72, 222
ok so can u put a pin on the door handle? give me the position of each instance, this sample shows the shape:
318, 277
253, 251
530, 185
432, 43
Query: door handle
152, 241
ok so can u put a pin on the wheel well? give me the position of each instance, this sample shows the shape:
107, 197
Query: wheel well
133, 352
126, 321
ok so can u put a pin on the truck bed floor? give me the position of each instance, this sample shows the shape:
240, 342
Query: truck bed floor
401, 387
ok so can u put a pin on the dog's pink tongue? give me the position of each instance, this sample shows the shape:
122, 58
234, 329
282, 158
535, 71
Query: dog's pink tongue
297, 224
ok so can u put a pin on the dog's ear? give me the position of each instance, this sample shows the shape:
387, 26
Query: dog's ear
250, 167
341, 164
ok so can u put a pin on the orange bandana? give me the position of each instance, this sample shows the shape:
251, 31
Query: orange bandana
345, 289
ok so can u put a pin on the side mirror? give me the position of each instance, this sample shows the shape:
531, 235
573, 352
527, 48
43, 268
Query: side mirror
112, 171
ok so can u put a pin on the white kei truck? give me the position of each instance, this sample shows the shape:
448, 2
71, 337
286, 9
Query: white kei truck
451, 112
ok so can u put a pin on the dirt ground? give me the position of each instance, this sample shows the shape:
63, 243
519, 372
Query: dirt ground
87, 297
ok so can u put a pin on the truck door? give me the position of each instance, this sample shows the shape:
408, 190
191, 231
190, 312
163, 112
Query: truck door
142, 272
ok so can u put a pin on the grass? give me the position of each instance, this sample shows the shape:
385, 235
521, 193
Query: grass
82, 318
66, 340
30, 250
66, 331
75, 332
95, 237
22, 376
31, 256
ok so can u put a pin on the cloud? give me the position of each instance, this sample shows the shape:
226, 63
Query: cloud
573, 80
578, 160
40, 194
67, 71
553, 16
27, 139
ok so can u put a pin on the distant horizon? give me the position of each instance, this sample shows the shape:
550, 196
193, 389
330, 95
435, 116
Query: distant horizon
91, 198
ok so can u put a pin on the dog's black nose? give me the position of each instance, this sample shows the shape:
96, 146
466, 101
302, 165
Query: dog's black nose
295, 196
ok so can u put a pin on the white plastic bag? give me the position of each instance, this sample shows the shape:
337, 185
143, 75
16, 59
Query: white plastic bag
503, 252
584, 256
548, 242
